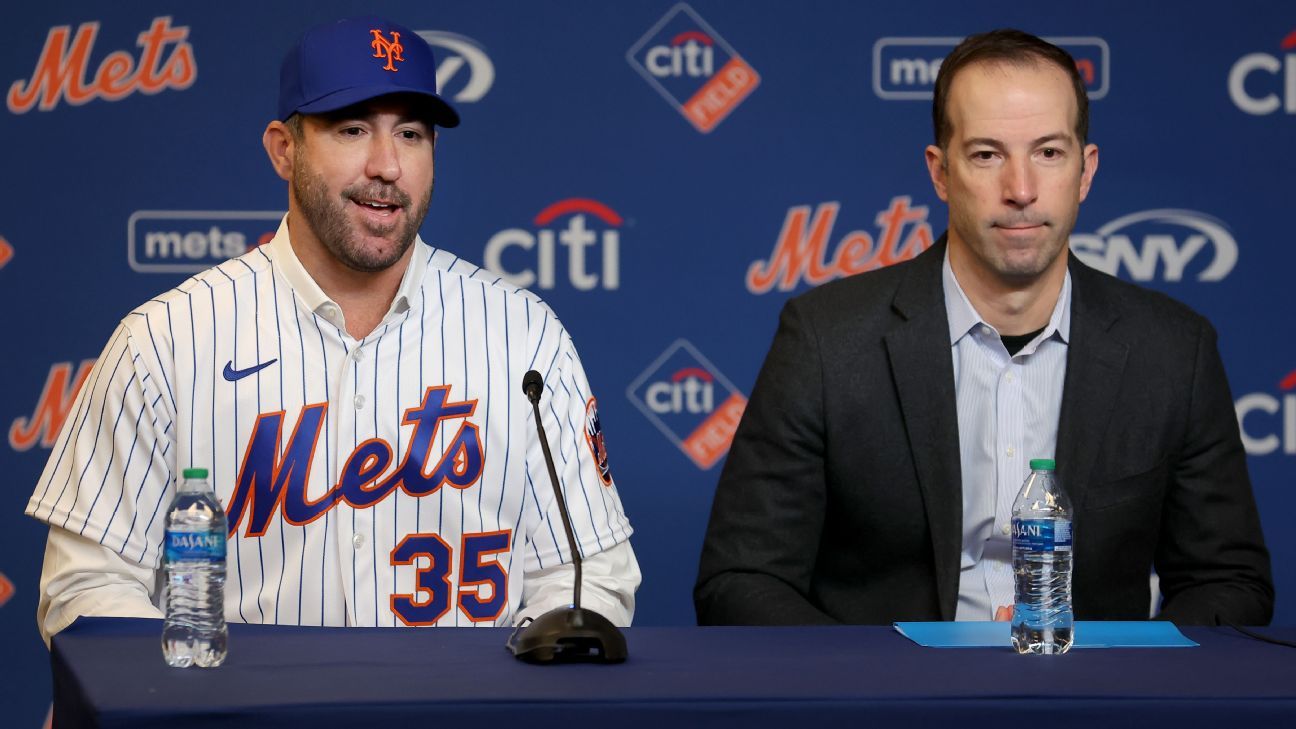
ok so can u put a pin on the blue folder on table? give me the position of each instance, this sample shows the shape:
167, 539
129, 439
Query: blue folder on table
1088, 634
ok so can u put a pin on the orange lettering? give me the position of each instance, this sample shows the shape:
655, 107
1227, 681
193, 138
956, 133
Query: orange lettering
60, 73
855, 254
52, 409
1086, 69
796, 253
799, 253
116, 68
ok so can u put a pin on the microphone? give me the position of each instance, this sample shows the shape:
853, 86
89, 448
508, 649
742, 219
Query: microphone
566, 634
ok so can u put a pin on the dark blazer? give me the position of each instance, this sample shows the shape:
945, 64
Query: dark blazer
841, 500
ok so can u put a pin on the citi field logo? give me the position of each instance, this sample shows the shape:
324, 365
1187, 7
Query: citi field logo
1268, 423
591, 246
1160, 244
6, 252
1262, 83
693, 68
165, 61
43, 425
801, 250
6, 590
188, 241
465, 73
690, 402
906, 68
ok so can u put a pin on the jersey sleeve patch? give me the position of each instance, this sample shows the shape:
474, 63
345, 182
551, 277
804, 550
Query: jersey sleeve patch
594, 439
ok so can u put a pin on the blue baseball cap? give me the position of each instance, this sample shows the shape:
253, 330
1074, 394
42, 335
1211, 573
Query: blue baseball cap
339, 64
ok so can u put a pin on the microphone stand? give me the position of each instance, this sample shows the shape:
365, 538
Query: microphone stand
566, 634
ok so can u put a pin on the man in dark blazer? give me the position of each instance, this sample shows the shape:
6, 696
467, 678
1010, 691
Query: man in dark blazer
843, 498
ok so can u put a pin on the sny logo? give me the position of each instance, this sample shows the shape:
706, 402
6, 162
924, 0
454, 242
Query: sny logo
693, 68
60, 73
690, 402
1262, 438
55, 402
460, 51
188, 241
1269, 66
906, 68
1172, 238
801, 251
389, 49
538, 249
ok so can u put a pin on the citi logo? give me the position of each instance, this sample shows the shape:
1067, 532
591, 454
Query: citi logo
690, 402
1160, 243
590, 240
801, 251
693, 68
465, 73
906, 68
1268, 423
165, 61
689, 390
1261, 83
46, 421
188, 241
690, 53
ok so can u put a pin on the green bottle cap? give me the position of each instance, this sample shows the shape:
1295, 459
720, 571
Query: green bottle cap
202, 472
1043, 464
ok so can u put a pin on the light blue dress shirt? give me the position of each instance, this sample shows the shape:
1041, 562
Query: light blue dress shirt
1008, 411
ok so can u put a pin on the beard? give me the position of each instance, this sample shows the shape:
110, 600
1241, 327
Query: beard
1020, 262
328, 219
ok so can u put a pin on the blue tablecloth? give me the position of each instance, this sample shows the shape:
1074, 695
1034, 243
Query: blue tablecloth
110, 673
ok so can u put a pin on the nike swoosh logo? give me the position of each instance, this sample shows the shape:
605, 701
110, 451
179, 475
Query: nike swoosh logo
234, 375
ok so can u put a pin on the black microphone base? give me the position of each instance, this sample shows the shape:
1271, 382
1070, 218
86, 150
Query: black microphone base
569, 635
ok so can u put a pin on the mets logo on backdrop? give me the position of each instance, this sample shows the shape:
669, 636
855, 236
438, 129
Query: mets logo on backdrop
165, 61
1268, 424
690, 402
6, 252
43, 425
801, 252
6, 589
189, 241
590, 242
906, 68
693, 68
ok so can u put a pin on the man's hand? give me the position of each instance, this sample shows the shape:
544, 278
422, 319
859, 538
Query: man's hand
1003, 613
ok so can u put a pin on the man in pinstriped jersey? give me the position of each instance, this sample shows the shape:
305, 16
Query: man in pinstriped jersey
354, 392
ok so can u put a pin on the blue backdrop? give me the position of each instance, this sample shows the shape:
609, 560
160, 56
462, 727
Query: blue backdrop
665, 175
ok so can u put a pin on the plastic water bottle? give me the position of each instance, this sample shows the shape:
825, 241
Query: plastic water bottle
1041, 552
194, 632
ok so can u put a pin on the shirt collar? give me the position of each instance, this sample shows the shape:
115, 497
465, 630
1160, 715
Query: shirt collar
314, 297
963, 318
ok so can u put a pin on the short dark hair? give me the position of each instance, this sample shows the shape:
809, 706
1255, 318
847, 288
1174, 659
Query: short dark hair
1012, 47
294, 124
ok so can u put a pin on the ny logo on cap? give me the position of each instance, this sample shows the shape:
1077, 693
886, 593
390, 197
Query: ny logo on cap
390, 49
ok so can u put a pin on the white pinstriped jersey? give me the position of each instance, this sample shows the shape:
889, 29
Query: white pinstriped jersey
395, 480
